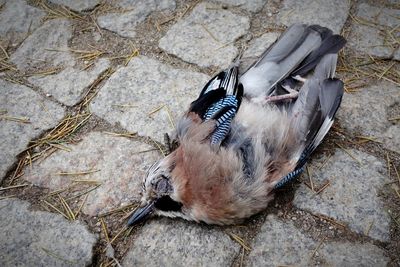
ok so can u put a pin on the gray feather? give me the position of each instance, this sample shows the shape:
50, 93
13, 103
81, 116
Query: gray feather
280, 60
317, 103
326, 67
285, 45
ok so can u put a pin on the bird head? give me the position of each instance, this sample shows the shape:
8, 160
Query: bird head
159, 197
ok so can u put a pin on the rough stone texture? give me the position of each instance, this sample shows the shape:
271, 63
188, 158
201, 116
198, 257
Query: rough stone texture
68, 85
353, 194
348, 254
17, 19
282, 244
366, 112
163, 242
206, 36
328, 13
136, 11
54, 34
21, 102
147, 85
36, 238
119, 161
252, 6
373, 38
77, 5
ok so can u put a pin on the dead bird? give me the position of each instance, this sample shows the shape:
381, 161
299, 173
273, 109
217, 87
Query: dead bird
245, 136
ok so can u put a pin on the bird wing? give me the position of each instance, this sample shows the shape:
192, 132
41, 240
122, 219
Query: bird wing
314, 110
296, 52
219, 101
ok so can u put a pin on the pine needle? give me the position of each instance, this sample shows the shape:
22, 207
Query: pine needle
240, 241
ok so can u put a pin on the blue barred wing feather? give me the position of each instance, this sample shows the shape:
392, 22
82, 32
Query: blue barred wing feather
219, 100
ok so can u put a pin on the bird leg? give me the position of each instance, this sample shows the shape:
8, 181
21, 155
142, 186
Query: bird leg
299, 78
292, 94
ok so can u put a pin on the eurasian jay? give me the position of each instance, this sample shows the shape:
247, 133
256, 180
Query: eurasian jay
245, 136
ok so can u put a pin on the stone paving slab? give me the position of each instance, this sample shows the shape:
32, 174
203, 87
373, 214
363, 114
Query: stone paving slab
78, 5
282, 244
136, 11
19, 101
252, 6
352, 255
68, 85
366, 112
121, 164
206, 36
37, 238
328, 13
147, 85
17, 19
163, 242
48, 48
54, 34
353, 194
370, 33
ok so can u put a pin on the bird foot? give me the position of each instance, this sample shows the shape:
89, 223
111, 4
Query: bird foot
299, 78
291, 95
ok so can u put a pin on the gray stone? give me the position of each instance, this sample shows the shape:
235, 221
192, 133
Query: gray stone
206, 36
328, 13
350, 254
78, 5
17, 19
136, 11
252, 6
121, 165
163, 242
19, 101
370, 35
54, 34
280, 244
68, 85
396, 54
391, 137
155, 94
36, 238
366, 112
353, 194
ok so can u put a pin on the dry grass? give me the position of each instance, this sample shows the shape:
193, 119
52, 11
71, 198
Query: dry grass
54, 11
240, 241
63, 134
357, 70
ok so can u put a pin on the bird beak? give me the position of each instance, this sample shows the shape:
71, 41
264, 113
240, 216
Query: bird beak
141, 214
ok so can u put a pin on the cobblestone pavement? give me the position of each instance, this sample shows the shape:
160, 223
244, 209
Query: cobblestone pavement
88, 88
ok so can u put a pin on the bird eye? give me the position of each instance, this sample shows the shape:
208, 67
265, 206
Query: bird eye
163, 185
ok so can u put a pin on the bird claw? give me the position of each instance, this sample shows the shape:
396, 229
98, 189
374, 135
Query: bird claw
291, 95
